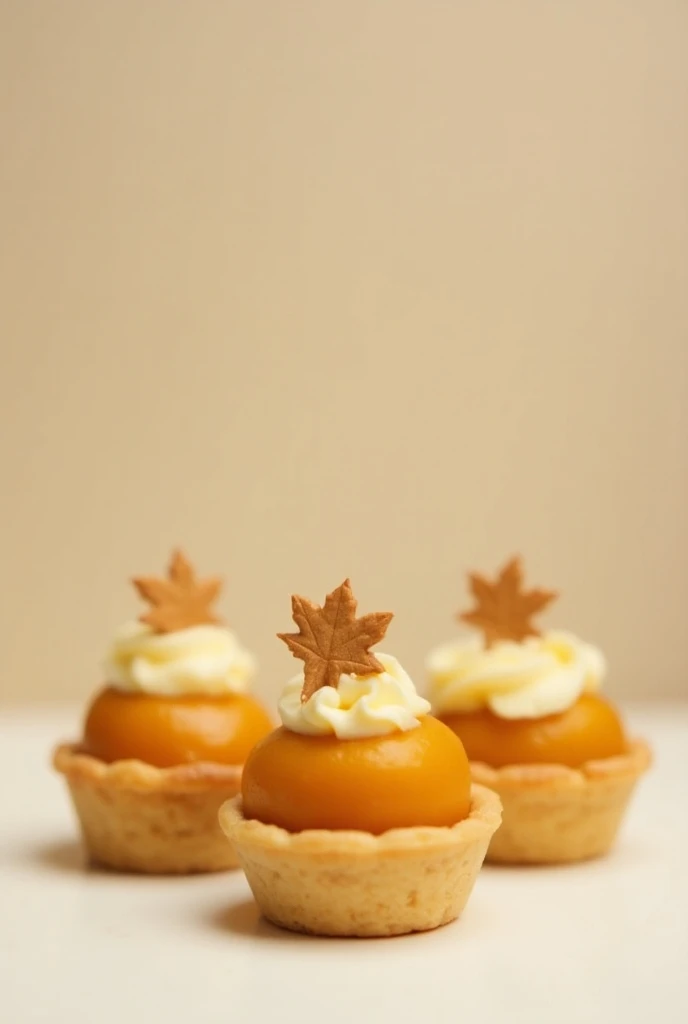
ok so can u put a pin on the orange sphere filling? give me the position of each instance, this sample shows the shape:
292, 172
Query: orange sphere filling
168, 731
588, 730
419, 777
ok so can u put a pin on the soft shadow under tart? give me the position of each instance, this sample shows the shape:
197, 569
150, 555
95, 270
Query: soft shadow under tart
358, 884
136, 817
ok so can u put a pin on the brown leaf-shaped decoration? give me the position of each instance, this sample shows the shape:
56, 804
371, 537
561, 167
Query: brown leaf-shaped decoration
332, 641
503, 609
179, 601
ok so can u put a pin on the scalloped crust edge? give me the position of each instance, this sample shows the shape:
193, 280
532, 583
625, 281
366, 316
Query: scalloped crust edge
556, 814
136, 817
357, 884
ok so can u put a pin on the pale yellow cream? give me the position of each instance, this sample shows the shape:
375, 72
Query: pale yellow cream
202, 660
360, 706
540, 676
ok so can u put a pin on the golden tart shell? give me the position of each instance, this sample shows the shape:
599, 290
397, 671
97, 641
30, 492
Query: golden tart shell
354, 883
555, 814
136, 817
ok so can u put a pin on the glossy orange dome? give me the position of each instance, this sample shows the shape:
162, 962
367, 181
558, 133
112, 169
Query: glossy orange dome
168, 731
589, 730
418, 777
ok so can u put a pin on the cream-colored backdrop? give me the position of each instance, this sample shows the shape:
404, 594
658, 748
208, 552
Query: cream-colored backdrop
386, 289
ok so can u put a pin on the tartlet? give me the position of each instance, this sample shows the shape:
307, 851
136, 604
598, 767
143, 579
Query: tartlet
357, 817
136, 817
526, 708
165, 739
554, 814
354, 883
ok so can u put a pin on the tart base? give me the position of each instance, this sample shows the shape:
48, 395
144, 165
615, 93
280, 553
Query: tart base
357, 884
555, 815
135, 817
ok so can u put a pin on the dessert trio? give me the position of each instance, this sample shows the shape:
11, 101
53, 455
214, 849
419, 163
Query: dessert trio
370, 809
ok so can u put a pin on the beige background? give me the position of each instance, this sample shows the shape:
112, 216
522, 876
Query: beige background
387, 289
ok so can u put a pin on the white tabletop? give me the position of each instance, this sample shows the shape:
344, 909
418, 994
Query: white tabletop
599, 942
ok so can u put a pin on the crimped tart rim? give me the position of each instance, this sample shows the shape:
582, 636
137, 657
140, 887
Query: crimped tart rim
630, 765
483, 820
71, 760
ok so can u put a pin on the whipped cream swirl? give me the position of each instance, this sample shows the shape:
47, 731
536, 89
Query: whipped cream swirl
540, 676
201, 660
360, 706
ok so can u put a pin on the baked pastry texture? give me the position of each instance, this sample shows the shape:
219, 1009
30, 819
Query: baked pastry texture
136, 817
358, 816
359, 884
554, 814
